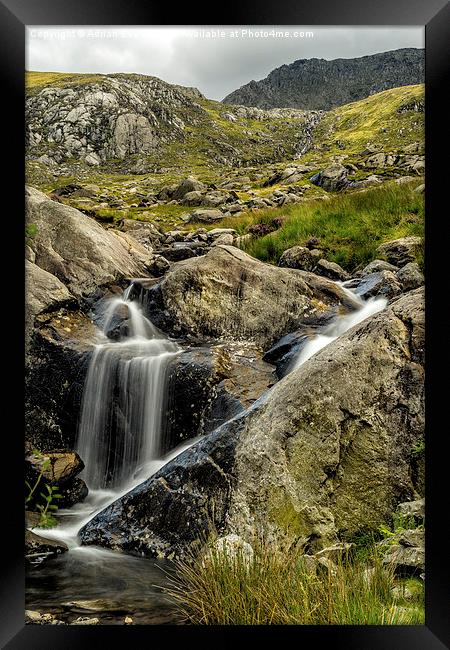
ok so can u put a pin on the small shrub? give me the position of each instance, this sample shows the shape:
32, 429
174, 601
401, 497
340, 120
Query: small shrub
48, 507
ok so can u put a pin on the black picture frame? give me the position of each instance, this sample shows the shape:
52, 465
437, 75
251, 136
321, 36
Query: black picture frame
435, 16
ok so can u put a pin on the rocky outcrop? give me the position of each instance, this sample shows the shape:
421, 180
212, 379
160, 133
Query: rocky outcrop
57, 360
77, 250
231, 295
405, 552
321, 84
326, 452
136, 122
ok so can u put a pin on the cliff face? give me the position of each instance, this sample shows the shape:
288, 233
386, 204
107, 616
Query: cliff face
322, 85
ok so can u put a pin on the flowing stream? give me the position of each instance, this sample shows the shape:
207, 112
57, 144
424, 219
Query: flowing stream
119, 440
339, 326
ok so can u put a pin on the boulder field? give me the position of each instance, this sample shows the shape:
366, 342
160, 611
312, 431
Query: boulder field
316, 457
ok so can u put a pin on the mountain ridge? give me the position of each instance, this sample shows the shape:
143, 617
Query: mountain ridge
321, 84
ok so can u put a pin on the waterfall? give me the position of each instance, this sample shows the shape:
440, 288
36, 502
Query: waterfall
338, 326
124, 400
122, 416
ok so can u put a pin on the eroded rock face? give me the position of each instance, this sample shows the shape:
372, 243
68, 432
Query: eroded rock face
77, 250
209, 385
57, 360
327, 450
228, 294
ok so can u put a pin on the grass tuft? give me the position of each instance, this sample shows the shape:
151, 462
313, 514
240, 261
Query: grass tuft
349, 227
275, 587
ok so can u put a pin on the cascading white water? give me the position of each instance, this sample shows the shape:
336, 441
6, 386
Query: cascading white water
123, 401
121, 417
339, 326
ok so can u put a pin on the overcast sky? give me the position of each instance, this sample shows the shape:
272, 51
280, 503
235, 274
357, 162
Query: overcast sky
193, 56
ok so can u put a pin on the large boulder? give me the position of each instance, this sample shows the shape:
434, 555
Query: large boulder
77, 250
229, 294
44, 293
206, 216
401, 251
410, 276
326, 452
58, 354
299, 257
332, 179
189, 184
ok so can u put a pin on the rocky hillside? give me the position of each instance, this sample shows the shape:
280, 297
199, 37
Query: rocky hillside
131, 147
140, 124
321, 85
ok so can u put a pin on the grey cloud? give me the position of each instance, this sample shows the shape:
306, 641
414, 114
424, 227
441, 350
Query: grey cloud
215, 66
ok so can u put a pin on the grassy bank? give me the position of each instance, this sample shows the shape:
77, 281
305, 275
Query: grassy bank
275, 587
348, 227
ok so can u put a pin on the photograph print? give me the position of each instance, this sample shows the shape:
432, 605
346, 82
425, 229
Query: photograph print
224, 253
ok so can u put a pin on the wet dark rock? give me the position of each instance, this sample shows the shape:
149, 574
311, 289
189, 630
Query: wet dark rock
208, 386
174, 508
191, 378
54, 381
283, 353
119, 325
72, 492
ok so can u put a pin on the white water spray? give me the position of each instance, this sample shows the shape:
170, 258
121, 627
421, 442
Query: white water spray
339, 326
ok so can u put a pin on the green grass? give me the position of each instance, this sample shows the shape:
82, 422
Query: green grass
275, 587
349, 226
373, 119
38, 80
